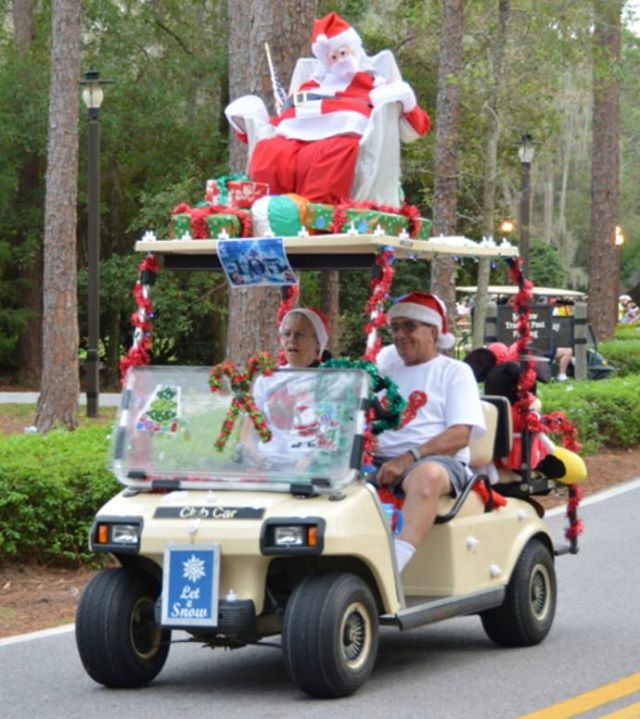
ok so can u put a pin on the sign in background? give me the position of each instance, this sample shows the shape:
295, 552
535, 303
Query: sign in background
540, 319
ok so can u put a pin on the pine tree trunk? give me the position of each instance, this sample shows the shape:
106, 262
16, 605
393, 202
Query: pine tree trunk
30, 343
492, 111
58, 402
604, 257
445, 200
23, 23
330, 293
286, 25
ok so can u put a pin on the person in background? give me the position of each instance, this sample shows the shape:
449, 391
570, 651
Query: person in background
427, 458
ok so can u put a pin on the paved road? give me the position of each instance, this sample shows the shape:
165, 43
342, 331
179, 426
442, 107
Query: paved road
447, 671
107, 399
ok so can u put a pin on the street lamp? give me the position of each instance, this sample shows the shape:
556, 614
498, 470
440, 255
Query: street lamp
526, 152
619, 237
92, 96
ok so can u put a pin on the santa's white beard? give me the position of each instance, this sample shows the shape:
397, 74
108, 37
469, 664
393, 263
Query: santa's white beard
344, 70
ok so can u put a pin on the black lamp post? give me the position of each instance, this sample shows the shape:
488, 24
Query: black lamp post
526, 152
92, 95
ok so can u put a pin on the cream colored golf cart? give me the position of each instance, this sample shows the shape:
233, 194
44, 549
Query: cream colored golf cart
287, 538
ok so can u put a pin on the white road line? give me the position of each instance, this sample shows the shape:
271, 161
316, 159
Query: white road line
600, 496
37, 635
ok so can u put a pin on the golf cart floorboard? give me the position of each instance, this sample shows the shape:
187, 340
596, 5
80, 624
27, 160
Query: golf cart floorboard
427, 610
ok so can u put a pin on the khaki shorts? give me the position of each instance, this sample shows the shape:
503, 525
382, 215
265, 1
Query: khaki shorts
457, 471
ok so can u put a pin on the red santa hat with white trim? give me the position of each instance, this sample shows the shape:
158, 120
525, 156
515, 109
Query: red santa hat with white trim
330, 33
428, 308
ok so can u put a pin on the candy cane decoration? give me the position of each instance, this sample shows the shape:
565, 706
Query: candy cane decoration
260, 363
380, 288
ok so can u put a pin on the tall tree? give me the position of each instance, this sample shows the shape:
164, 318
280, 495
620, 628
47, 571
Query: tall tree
286, 26
492, 113
30, 345
58, 402
445, 199
604, 260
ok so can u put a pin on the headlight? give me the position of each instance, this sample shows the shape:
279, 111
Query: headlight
292, 535
125, 533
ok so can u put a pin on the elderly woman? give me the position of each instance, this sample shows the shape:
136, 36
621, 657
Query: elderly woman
304, 334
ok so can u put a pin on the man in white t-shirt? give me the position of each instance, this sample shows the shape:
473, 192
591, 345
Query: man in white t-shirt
428, 457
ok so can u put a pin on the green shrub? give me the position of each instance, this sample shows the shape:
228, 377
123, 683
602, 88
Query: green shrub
607, 412
628, 332
50, 488
624, 354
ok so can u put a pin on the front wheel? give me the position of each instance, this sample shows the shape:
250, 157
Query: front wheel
526, 615
119, 641
330, 634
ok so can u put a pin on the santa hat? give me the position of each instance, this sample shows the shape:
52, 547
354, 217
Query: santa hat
428, 308
318, 319
330, 33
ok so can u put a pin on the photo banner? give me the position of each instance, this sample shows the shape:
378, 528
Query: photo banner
257, 262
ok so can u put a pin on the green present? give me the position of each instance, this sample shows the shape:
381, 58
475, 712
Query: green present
425, 229
219, 223
318, 217
180, 225
366, 221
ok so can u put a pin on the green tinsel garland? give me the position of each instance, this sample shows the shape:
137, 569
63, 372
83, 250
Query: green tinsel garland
396, 403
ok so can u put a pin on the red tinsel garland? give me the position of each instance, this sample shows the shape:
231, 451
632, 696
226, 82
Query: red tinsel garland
140, 351
554, 422
409, 211
261, 362
374, 308
199, 228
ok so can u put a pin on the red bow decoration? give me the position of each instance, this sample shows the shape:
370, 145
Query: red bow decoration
260, 363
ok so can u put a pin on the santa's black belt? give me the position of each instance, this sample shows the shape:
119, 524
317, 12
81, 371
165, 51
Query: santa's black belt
300, 98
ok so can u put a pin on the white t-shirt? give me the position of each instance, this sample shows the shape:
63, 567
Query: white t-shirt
452, 398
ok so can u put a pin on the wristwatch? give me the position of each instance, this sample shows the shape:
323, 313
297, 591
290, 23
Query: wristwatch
415, 453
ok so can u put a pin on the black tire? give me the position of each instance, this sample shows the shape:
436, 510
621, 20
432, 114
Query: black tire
119, 641
526, 615
330, 634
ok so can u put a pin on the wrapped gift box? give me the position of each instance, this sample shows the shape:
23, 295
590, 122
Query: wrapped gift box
318, 217
216, 224
212, 193
425, 229
366, 221
245, 193
180, 225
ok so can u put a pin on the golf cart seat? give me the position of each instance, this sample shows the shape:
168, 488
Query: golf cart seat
377, 174
496, 442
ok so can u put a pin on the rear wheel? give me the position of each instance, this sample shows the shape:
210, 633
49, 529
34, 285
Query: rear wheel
119, 641
330, 634
526, 615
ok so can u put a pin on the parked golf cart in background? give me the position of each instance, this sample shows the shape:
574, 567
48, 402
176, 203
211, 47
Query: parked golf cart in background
559, 319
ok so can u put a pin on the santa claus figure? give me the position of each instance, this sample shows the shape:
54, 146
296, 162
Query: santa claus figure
311, 148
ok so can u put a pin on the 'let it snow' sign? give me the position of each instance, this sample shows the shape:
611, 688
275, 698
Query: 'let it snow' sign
190, 586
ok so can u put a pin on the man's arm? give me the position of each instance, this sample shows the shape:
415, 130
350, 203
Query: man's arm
448, 442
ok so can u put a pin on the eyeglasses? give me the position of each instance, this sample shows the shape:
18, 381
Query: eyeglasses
297, 336
406, 327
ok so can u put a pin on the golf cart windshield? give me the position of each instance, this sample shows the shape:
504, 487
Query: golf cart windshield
174, 432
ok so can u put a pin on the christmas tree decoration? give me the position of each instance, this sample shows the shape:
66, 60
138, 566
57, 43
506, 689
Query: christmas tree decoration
161, 413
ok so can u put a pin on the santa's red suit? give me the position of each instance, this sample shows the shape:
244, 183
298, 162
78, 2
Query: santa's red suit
315, 149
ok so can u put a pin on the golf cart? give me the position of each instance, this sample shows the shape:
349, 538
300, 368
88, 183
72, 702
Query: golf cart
559, 318
242, 542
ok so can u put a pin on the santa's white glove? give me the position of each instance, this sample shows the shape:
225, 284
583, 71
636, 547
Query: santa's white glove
249, 109
394, 92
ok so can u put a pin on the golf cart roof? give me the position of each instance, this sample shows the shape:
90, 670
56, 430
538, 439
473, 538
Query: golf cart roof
512, 290
341, 251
